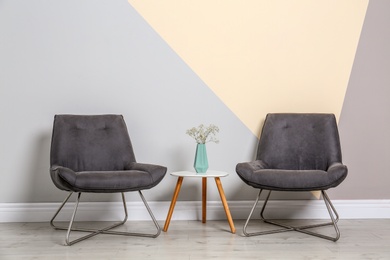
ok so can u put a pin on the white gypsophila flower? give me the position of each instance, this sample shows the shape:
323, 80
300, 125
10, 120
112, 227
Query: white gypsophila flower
203, 134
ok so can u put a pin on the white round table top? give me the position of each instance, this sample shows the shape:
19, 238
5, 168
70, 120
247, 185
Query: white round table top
208, 174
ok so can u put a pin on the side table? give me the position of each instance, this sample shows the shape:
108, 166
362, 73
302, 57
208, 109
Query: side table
209, 174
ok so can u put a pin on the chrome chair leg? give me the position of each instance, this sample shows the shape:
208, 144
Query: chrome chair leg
71, 223
106, 230
58, 211
152, 216
303, 229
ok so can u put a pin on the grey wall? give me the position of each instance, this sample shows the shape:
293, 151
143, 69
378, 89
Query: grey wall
365, 118
93, 57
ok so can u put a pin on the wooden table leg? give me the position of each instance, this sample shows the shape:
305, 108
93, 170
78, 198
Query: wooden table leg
173, 203
204, 199
225, 205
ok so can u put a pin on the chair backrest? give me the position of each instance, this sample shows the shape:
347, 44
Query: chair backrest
91, 143
299, 141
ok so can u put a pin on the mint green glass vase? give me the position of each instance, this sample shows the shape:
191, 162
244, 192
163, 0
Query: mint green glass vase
201, 164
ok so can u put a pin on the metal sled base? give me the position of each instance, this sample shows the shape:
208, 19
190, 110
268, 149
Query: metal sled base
106, 230
303, 229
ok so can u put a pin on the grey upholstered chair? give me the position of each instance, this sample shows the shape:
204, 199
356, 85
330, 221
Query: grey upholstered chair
93, 154
296, 152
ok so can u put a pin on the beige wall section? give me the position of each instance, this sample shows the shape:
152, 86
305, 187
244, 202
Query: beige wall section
264, 56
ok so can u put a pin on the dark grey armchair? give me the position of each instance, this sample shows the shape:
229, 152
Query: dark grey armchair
93, 154
296, 152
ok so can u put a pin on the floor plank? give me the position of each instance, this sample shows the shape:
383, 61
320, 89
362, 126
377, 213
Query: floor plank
360, 239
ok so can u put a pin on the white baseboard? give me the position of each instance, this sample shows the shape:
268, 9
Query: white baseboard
191, 210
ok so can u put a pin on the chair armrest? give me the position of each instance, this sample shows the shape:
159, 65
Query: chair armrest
58, 180
338, 172
156, 171
336, 167
146, 167
245, 169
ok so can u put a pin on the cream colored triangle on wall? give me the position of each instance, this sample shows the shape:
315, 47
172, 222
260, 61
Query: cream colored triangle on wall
261, 56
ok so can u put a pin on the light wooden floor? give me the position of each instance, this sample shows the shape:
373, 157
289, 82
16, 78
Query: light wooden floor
360, 239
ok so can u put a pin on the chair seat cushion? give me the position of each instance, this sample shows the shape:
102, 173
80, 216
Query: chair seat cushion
106, 181
291, 180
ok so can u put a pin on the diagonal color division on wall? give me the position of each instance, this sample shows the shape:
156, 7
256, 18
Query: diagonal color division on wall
264, 56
